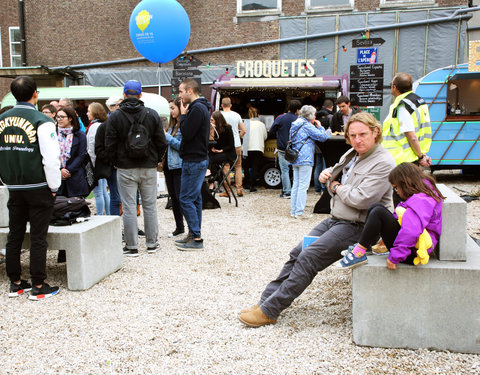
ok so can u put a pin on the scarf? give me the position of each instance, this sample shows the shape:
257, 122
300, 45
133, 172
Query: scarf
65, 139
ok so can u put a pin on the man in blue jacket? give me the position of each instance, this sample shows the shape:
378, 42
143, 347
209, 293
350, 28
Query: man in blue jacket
280, 130
195, 129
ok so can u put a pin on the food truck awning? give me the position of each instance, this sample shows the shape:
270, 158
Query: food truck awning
465, 75
321, 83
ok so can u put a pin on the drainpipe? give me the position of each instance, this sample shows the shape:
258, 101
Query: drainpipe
21, 14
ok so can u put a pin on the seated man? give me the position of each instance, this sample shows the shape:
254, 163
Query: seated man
358, 180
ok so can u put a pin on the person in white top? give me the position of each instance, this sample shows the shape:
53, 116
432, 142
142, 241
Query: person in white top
253, 147
238, 127
97, 115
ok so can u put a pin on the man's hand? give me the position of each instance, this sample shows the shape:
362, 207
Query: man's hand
325, 175
426, 161
183, 108
391, 266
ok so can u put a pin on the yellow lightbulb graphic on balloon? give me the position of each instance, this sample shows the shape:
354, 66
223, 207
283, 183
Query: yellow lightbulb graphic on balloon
143, 20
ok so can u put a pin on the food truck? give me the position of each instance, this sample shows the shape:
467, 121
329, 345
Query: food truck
269, 85
452, 95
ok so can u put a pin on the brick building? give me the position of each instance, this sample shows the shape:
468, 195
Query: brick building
70, 42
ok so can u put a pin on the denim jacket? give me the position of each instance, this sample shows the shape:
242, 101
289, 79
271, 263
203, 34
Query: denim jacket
308, 134
174, 159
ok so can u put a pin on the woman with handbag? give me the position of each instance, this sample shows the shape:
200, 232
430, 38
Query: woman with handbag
97, 115
172, 165
303, 134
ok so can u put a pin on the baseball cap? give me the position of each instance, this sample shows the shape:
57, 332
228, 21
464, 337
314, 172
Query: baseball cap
132, 88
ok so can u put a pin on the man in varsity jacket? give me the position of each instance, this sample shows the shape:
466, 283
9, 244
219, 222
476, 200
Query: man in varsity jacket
30, 168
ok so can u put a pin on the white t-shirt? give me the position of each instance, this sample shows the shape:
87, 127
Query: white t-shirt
405, 120
233, 119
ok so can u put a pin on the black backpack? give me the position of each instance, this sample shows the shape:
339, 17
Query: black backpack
137, 143
67, 210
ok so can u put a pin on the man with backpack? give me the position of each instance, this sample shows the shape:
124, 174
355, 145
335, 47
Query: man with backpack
135, 142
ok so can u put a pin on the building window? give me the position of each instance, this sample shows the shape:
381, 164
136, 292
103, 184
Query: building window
323, 4
259, 6
15, 47
396, 3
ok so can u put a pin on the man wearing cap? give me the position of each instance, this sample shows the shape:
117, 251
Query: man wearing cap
135, 172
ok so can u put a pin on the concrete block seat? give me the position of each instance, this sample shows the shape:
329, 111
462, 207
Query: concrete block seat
93, 248
436, 306
432, 306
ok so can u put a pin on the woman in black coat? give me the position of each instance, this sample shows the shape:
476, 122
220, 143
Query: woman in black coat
223, 149
73, 151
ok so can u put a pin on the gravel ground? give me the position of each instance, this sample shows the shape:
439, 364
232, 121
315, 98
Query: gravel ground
176, 312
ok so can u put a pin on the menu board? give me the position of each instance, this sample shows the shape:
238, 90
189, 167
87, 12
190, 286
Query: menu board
366, 84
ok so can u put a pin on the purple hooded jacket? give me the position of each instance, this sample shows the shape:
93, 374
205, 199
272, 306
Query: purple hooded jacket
422, 212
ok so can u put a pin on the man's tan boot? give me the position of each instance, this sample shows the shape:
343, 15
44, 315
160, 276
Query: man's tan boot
239, 192
256, 318
254, 307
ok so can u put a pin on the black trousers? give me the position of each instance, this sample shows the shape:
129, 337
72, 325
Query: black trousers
173, 179
35, 206
380, 221
253, 161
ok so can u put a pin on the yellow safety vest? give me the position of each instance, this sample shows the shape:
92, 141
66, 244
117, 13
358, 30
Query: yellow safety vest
395, 141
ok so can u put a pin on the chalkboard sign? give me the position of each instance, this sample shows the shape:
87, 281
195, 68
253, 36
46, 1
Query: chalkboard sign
366, 85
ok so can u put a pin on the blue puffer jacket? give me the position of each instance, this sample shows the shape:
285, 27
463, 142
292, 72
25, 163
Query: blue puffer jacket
174, 159
308, 133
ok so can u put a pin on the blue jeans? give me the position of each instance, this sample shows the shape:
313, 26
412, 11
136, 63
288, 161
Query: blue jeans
193, 174
114, 194
286, 185
301, 182
102, 198
319, 167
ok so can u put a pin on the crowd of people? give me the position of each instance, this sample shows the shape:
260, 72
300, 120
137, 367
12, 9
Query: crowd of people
128, 144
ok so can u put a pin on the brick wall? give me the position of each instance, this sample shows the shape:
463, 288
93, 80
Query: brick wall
8, 18
84, 31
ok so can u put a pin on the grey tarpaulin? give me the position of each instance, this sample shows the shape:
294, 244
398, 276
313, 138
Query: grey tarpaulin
148, 76
418, 49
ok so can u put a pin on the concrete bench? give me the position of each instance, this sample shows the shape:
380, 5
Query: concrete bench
453, 240
434, 306
94, 249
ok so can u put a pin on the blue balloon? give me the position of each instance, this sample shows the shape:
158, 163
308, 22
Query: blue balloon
159, 29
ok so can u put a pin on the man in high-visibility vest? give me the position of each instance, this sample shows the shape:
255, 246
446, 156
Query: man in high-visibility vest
407, 133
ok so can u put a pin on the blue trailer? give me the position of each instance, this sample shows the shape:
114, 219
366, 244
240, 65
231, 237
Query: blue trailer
453, 96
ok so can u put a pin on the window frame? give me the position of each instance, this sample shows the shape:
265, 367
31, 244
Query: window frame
11, 43
405, 3
328, 8
242, 12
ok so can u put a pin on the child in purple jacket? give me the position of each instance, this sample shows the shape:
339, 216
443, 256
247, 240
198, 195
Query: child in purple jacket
422, 202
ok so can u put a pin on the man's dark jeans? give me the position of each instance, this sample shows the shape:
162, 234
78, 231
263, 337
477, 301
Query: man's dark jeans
193, 174
35, 206
302, 267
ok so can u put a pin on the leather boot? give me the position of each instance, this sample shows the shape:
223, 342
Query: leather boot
239, 192
256, 318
